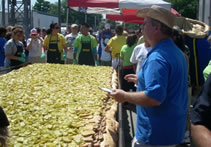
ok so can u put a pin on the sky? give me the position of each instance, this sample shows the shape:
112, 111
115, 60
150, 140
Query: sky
32, 3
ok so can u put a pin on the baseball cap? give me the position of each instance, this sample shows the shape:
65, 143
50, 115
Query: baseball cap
34, 31
107, 26
74, 25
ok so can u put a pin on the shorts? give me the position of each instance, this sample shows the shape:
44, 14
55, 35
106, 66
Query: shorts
116, 62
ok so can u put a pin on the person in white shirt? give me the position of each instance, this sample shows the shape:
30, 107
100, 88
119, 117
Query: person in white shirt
34, 45
70, 39
104, 37
139, 55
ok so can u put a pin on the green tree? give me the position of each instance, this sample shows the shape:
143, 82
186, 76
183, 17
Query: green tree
131, 27
74, 16
187, 8
42, 6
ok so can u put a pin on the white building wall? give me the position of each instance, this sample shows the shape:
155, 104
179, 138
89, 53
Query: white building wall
43, 20
38, 19
205, 11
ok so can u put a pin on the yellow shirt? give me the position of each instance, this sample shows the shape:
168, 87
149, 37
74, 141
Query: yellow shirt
116, 44
61, 41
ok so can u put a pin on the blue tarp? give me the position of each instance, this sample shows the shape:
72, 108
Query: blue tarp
199, 58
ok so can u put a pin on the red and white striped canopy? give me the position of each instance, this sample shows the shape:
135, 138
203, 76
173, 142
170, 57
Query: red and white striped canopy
117, 10
129, 15
121, 4
125, 18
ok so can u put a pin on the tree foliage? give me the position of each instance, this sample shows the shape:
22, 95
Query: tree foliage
42, 6
187, 8
74, 16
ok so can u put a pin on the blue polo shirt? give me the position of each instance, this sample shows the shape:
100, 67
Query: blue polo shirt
164, 78
2, 56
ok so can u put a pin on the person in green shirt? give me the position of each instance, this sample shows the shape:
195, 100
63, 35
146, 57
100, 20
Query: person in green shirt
207, 71
85, 52
125, 54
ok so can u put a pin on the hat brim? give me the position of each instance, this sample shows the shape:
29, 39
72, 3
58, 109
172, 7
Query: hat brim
34, 33
143, 12
158, 13
74, 26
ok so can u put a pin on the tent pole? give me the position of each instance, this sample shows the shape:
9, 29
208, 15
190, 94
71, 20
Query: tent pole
67, 17
85, 17
95, 22
3, 14
59, 13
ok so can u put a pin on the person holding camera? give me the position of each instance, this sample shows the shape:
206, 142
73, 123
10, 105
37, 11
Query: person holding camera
34, 46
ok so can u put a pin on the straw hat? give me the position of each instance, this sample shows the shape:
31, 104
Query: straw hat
158, 13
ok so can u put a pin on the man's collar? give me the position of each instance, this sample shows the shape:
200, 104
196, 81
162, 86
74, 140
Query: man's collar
159, 45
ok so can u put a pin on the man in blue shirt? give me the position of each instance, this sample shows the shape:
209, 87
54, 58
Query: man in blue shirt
2, 43
162, 94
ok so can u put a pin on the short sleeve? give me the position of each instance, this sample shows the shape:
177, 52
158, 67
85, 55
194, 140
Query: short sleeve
66, 37
94, 42
28, 41
110, 43
46, 41
76, 43
133, 56
64, 42
156, 79
207, 71
9, 47
122, 51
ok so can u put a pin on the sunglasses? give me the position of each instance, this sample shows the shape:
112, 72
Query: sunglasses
56, 27
19, 35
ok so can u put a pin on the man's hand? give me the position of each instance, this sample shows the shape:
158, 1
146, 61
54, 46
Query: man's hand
119, 95
131, 78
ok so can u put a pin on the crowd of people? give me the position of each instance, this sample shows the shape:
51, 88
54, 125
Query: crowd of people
154, 62
78, 46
